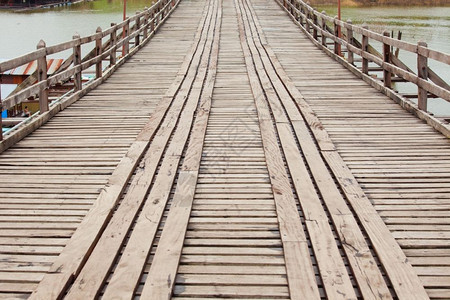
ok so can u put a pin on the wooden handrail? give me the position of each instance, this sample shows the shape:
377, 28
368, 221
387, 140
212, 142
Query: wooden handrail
308, 18
34, 55
138, 29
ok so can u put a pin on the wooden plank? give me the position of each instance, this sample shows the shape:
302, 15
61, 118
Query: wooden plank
346, 120
401, 273
367, 274
165, 263
317, 222
227, 291
300, 274
83, 239
93, 274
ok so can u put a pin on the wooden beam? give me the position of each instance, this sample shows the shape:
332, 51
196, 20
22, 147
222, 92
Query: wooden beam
422, 72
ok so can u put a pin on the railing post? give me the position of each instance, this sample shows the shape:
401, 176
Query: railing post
98, 52
161, 9
113, 43
422, 72
302, 13
146, 15
307, 27
77, 62
137, 40
324, 29
387, 76
126, 30
364, 48
315, 27
350, 41
337, 29
152, 21
42, 76
1, 109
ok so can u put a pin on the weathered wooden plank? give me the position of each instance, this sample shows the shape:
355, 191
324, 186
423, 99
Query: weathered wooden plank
93, 274
298, 264
145, 110
170, 245
370, 281
355, 119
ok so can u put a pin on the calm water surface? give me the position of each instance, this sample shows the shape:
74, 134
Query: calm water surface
417, 23
20, 32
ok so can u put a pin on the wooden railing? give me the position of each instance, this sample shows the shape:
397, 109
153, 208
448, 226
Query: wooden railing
334, 35
125, 38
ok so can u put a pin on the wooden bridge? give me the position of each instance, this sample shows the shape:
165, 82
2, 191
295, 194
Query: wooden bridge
232, 152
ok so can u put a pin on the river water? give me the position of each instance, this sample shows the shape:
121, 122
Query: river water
417, 23
20, 32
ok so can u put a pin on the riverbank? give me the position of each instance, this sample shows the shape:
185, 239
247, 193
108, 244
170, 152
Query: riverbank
357, 3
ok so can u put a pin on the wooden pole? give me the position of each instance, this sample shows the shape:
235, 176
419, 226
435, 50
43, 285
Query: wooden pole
98, 52
339, 32
146, 16
124, 9
337, 29
399, 37
387, 76
307, 18
315, 27
77, 62
324, 29
422, 72
161, 9
302, 11
350, 41
137, 40
123, 29
364, 48
113, 42
152, 21
126, 32
339, 9
1, 110
42, 76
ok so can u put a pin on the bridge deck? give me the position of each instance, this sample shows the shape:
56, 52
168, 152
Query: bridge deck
265, 170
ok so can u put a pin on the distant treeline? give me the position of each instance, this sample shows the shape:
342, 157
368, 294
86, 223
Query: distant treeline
380, 2
27, 3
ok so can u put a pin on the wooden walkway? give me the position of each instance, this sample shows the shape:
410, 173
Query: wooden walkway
244, 163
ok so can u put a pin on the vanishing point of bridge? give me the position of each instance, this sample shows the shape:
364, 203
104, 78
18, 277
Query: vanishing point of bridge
229, 157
